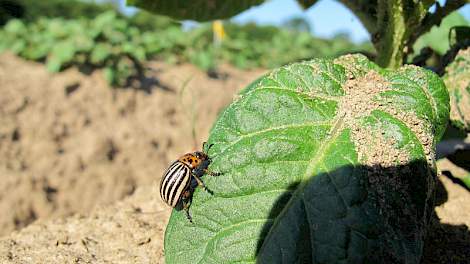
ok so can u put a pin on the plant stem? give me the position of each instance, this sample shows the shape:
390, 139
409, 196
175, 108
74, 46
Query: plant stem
395, 25
391, 39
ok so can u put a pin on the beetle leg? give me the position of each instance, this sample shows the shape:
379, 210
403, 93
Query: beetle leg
211, 173
186, 195
201, 183
186, 204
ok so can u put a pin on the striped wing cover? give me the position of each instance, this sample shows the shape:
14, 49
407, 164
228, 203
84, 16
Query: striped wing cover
175, 180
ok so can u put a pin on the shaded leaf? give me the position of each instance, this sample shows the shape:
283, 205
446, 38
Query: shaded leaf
200, 10
305, 4
459, 34
316, 160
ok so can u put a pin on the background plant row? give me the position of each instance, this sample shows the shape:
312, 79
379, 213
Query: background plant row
120, 44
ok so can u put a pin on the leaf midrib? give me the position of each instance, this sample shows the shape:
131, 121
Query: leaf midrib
334, 133
312, 163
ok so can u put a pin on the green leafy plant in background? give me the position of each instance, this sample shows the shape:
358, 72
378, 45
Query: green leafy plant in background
394, 25
275, 46
106, 42
120, 46
32, 10
323, 161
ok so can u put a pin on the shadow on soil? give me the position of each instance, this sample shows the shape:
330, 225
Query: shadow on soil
143, 79
362, 214
148, 84
446, 243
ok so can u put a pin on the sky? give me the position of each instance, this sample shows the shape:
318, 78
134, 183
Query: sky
326, 18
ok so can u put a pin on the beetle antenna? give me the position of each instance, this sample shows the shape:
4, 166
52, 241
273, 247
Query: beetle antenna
208, 148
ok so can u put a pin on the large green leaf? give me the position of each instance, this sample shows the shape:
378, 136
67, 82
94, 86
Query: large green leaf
325, 161
200, 10
457, 80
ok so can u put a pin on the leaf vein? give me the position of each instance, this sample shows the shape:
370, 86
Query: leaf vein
264, 220
322, 123
334, 133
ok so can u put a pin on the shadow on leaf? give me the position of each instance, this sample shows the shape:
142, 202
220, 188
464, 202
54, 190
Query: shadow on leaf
357, 214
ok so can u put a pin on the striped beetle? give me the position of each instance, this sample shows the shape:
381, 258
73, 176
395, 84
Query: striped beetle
183, 176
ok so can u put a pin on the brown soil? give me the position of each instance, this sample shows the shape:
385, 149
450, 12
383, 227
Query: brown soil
70, 147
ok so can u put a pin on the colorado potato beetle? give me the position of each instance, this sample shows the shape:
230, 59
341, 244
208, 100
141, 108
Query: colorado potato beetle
183, 176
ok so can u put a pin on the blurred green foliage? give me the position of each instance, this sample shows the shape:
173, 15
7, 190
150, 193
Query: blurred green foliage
297, 24
250, 45
32, 10
438, 37
120, 44
466, 180
106, 42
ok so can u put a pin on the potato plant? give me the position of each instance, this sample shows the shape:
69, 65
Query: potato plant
120, 46
316, 160
105, 42
326, 160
